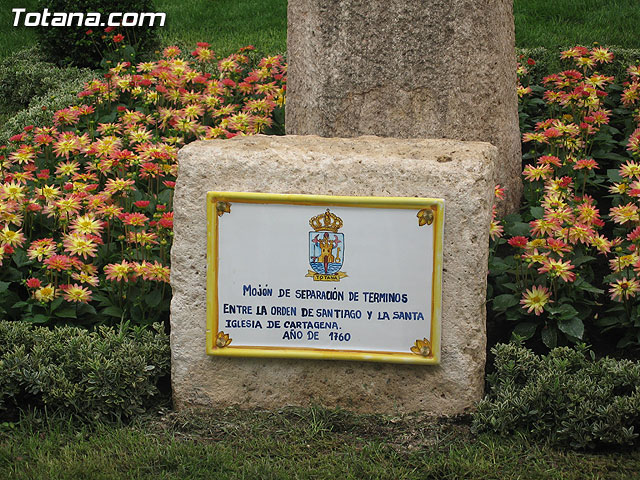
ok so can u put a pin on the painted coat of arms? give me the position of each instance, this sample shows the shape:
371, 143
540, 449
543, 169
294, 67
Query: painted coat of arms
326, 248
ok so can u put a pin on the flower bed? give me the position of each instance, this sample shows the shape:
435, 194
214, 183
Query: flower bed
565, 269
86, 204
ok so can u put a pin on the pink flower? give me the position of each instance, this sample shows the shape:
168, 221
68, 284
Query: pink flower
34, 283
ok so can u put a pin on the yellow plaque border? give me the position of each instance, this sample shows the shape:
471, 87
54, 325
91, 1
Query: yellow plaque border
219, 203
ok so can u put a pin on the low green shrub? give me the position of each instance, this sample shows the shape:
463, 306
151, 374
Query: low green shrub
566, 397
26, 74
106, 375
41, 109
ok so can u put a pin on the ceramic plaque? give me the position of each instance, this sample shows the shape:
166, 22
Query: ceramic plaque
325, 277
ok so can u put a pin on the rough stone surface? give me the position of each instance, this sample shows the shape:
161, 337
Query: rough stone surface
460, 172
393, 68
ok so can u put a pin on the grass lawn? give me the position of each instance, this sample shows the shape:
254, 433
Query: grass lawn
292, 443
226, 24
231, 24
563, 23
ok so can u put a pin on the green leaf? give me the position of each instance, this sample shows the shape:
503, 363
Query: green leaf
563, 312
512, 218
86, 309
38, 318
498, 266
20, 258
112, 311
611, 156
550, 336
573, 327
4, 286
526, 330
537, 212
511, 286
66, 312
580, 259
582, 284
614, 175
517, 229
102, 300
56, 303
607, 321
153, 298
502, 302
165, 196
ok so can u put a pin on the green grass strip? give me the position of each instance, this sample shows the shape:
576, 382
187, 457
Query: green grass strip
312, 443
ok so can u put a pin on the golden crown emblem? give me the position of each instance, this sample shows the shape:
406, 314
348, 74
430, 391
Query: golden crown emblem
326, 221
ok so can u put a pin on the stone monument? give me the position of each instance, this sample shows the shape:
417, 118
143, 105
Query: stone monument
461, 173
392, 68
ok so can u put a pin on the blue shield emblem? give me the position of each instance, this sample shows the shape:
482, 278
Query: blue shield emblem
326, 252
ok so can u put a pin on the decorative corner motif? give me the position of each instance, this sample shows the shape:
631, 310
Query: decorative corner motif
422, 347
425, 217
222, 339
222, 208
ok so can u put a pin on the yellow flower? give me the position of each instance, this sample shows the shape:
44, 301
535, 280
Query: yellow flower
45, 294
535, 299
422, 347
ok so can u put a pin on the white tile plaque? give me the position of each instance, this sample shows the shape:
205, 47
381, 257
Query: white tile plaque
355, 278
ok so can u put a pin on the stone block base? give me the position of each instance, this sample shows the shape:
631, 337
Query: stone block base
463, 173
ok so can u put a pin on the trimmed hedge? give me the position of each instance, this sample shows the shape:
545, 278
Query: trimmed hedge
566, 397
107, 375
32, 89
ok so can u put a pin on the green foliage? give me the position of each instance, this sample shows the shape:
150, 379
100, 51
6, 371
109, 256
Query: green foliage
86, 46
110, 374
32, 89
25, 75
566, 397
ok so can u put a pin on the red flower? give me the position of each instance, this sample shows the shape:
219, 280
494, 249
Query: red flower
118, 38
88, 32
531, 62
109, 29
142, 203
34, 283
519, 242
